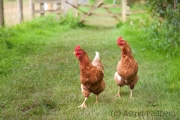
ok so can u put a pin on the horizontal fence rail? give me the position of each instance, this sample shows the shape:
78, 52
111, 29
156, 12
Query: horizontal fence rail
14, 12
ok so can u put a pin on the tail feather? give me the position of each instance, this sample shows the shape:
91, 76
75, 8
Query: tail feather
97, 56
96, 61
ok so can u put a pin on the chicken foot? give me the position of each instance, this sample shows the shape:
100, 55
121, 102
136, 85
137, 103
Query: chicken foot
83, 105
118, 94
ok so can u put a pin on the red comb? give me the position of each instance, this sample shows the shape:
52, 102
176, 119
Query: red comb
120, 38
77, 48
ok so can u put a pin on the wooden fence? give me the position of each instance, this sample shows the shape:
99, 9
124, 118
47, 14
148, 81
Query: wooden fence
41, 7
104, 11
53, 6
13, 12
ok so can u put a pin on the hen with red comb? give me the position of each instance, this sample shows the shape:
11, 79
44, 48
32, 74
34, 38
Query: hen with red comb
91, 74
127, 67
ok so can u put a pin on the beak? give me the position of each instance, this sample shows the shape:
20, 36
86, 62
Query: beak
74, 52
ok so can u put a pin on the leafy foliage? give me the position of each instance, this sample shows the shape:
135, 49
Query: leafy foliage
168, 26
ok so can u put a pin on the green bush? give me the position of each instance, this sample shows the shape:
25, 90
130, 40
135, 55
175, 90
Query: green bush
168, 26
164, 30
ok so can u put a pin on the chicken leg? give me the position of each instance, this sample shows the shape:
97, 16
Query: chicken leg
96, 98
130, 93
118, 94
83, 105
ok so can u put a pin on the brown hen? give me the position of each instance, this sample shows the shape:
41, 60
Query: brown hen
127, 67
91, 74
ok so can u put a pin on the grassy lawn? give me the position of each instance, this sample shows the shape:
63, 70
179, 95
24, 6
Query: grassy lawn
47, 85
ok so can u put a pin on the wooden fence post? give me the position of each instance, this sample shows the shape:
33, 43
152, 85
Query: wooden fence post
74, 9
32, 8
1, 13
124, 4
59, 7
42, 9
20, 5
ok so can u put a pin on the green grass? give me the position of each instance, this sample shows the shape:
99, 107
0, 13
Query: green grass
16, 42
47, 86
